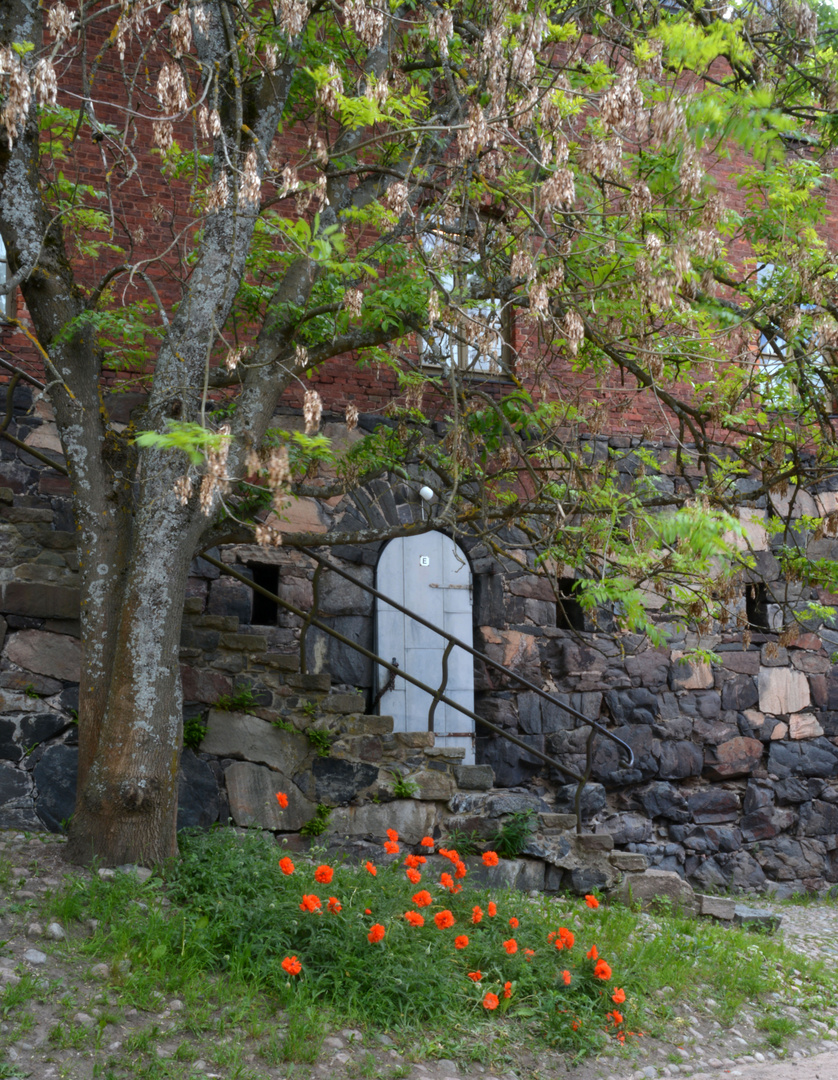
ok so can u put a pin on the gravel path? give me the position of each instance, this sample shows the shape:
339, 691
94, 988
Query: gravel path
52, 1045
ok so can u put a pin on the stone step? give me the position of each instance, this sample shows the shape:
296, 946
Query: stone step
557, 822
628, 860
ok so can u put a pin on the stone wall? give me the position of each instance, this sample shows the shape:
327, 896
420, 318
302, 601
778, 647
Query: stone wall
735, 781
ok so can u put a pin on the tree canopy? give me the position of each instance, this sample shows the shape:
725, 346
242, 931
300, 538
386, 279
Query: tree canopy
523, 219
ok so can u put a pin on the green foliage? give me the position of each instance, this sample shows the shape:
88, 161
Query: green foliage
242, 699
319, 823
234, 914
402, 787
190, 438
321, 740
511, 838
194, 730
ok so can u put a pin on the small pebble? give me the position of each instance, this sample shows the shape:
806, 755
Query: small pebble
35, 956
83, 1018
34, 930
56, 931
176, 1005
106, 874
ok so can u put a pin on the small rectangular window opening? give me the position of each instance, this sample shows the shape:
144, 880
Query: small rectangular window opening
569, 612
265, 611
756, 608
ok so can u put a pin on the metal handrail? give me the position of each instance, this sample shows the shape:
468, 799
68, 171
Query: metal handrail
310, 620
390, 667
474, 652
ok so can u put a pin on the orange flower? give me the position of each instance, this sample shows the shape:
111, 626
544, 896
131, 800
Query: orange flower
392, 835
282, 799
475, 976
602, 971
575, 1025
460, 870
427, 841
442, 851
507, 989
511, 946
310, 902
443, 919
592, 902
413, 876
420, 860
566, 978
324, 874
616, 1017
376, 933
490, 858
423, 899
292, 965
414, 918
476, 914
492, 909
619, 996
592, 953
335, 905
286, 866
551, 937
528, 953
490, 1001
367, 911
391, 847
412, 861
456, 888
513, 922
566, 939
446, 881
368, 866
461, 942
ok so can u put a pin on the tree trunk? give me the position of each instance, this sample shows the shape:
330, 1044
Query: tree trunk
126, 807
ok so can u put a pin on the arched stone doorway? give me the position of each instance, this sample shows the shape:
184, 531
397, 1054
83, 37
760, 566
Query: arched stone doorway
430, 575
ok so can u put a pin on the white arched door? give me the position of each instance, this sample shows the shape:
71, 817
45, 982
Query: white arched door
429, 575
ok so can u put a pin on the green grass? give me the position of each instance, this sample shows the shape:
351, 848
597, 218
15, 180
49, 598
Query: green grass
779, 1029
234, 916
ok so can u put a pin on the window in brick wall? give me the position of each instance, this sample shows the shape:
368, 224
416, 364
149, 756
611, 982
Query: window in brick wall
477, 338
265, 611
785, 375
569, 612
756, 608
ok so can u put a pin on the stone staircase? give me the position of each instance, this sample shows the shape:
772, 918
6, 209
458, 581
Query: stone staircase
355, 778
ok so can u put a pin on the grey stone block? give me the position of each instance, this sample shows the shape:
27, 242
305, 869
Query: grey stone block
247, 738
55, 780
338, 781
653, 886
628, 860
756, 918
474, 777
716, 907
55, 655
199, 801
410, 818
252, 790
42, 601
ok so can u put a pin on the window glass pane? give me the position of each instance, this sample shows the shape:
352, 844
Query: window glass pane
476, 340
